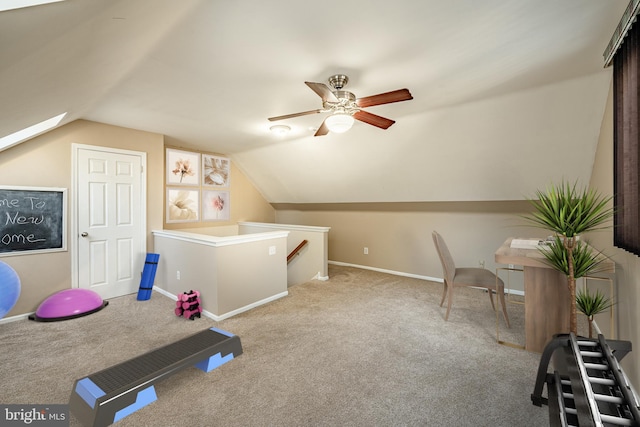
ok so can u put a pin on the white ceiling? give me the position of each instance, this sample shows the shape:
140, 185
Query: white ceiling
508, 94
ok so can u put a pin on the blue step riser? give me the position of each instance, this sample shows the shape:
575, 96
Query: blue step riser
93, 406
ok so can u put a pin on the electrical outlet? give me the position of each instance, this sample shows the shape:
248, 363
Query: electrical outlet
366, 251
272, 250
481, 263
178, 274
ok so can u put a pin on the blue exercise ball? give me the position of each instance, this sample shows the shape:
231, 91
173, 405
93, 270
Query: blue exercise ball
9, 288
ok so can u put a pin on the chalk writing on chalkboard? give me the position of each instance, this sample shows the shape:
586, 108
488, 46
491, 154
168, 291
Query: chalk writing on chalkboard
32, 219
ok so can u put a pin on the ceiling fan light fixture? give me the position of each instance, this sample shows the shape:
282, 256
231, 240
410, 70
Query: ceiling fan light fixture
339, 122
280, 130
344, 107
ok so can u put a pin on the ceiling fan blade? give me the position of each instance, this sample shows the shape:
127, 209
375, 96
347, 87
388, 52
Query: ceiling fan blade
289, 116
322, 130
323, 90
373, 119
384, 98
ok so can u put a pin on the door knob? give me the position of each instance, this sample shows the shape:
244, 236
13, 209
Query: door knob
84, 234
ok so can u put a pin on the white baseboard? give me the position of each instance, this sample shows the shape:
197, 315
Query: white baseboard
382, 270
231, 313
245, 308
16, 318
320, 277
401, 273
165, 293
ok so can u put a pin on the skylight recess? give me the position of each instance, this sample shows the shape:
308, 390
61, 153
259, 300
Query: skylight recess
19, 4
30, 132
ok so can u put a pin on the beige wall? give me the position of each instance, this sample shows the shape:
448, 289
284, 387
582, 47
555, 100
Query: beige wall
398, 235
45, 161
231, 275
311, 261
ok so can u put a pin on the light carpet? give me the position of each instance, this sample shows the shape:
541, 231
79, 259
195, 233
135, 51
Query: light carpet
361, 349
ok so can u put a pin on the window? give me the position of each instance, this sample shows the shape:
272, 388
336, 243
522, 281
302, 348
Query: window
19, 4
30, 132
626, 137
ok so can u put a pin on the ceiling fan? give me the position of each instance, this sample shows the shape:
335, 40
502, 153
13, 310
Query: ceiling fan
345, 107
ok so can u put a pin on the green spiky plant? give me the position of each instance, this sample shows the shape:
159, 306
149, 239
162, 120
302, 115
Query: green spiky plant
592, 304
569, 211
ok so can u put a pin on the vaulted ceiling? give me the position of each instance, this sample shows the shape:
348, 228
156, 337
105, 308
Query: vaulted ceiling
508, 94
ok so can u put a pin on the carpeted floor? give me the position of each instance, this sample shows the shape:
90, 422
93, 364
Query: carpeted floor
361, 349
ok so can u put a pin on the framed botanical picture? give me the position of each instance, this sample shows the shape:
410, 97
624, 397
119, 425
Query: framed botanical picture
215, 205
182, 205
216, 171
183, 167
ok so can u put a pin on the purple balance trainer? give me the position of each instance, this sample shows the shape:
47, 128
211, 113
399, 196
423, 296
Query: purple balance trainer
69, 304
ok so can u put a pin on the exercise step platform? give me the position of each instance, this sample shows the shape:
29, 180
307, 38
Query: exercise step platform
107, 396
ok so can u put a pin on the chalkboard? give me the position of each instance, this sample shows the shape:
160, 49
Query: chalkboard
32, 219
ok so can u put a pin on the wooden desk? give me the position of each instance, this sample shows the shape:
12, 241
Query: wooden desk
546, 307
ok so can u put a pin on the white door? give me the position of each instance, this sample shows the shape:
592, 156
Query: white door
110, 197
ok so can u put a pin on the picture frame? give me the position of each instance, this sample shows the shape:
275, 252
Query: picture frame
183, 205
182, 167
216, 171
216, 205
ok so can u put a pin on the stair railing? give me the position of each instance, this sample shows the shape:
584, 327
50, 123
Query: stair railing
296, 251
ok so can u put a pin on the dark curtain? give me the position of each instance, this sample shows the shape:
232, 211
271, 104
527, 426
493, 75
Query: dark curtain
626, 135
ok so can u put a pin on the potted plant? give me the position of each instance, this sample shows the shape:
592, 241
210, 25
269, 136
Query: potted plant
569, 212
592, 304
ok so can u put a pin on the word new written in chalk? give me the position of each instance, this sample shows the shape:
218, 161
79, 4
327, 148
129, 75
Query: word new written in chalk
31, 220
